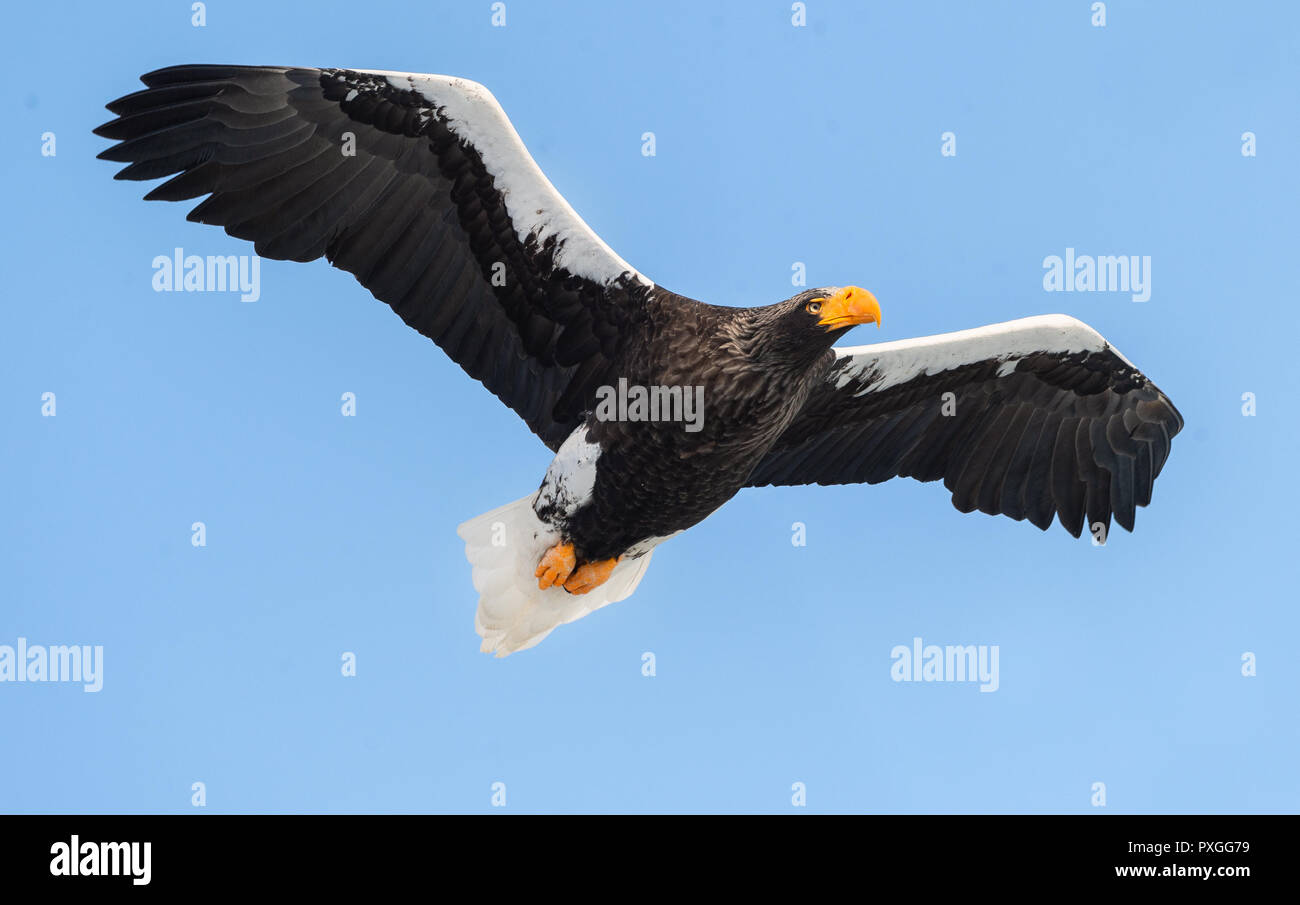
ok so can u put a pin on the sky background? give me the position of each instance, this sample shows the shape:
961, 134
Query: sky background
775, 144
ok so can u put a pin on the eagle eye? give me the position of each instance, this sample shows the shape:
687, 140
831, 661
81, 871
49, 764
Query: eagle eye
814, 307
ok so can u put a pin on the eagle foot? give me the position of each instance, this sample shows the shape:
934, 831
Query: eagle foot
590, 575
556, 566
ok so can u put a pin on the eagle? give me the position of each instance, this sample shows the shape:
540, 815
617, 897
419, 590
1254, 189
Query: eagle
658, 408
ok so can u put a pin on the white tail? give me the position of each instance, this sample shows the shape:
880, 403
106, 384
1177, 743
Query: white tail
504, 547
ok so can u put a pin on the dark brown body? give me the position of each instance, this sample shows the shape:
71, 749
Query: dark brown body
655, 478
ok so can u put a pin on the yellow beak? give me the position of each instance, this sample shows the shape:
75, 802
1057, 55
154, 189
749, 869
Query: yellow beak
848, 307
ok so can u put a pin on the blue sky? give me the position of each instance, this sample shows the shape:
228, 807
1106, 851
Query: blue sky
775, 144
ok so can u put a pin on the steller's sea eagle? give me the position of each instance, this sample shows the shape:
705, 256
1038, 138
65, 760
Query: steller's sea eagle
419, 186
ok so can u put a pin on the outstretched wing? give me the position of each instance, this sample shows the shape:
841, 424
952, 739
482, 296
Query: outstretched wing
1030, 418
417, 185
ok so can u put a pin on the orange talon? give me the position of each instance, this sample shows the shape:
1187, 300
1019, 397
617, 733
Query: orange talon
556, 565
590, 575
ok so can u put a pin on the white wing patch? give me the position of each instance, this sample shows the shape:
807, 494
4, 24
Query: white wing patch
889, 364
536, 208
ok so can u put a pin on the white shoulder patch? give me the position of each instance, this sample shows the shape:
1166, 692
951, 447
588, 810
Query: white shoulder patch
889, 364
536, 208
